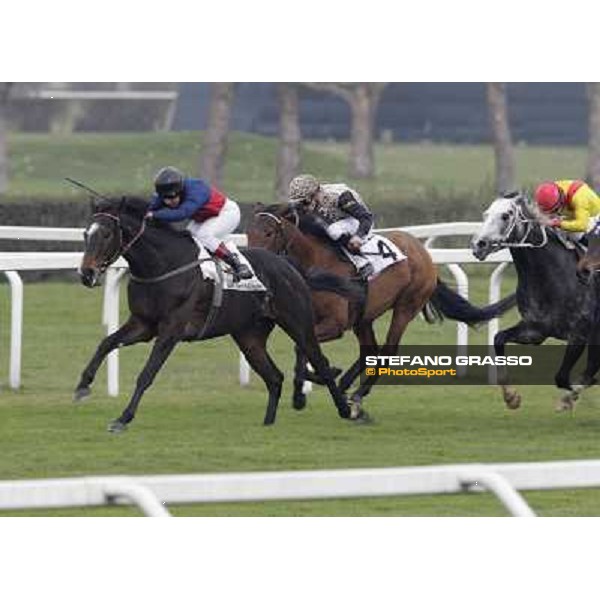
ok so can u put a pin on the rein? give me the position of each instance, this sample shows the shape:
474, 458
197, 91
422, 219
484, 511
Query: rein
168, 274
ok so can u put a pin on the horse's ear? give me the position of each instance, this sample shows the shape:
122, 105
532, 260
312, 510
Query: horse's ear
258, 207
93, 205
122, 203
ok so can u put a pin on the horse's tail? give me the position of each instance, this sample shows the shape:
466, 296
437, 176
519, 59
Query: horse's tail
452, 305
320, 280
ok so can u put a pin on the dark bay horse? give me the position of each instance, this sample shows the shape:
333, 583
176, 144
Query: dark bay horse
169, 301
552, 300
406, 288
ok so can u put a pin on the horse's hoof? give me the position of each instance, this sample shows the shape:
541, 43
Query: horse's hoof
566, 403
81, 394
512, 399
362, 418
116, 426
299, 401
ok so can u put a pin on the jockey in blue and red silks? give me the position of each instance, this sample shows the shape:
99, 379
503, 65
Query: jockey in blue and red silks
210, 214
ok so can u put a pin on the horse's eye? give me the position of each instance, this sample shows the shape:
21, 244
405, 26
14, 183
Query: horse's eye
505, 216
106, 234
269, 234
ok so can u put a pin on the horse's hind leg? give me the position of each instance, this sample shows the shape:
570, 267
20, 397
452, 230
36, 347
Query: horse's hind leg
253, 344
131, 332
401, 317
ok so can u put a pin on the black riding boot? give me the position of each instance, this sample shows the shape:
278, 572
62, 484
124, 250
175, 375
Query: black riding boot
240, 270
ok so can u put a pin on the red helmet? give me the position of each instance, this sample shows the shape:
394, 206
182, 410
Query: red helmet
549, 196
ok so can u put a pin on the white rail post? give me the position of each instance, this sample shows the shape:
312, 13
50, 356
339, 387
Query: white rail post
244, 370
493, 325
501, 488
16, 328
494, 295
137, 494
111, 320
462, 329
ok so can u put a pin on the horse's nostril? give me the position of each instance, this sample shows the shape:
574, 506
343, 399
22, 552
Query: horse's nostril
480, 243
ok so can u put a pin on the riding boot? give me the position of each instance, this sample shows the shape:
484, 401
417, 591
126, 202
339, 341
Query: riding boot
240, 270
366, 271
363, 266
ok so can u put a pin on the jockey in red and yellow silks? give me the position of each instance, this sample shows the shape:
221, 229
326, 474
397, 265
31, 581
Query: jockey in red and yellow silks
573, 204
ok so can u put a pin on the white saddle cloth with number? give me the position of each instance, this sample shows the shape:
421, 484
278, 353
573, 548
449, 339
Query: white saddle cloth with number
209, 271
381, 253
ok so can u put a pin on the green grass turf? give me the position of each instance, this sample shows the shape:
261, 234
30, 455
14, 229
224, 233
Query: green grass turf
196, 418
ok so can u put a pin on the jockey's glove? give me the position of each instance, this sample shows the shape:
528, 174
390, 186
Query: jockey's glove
354, 244
555, 222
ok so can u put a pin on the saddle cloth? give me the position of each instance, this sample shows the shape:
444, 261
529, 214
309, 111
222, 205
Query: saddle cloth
209, 271
381, 253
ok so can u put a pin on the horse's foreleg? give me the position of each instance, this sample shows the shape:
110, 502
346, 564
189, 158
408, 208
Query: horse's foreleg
366, 337
562, 378
521, 333
131, 332
300, 373
253, 344
160, 352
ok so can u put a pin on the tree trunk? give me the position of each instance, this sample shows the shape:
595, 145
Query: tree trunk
363, 99
67, 113
363, 104
503, 149
593, 163
215, 147
290, 139
4, 91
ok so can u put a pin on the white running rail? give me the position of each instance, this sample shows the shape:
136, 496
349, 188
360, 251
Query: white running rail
152, 492
13, 262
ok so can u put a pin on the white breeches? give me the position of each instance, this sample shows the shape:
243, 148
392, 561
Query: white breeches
213, 231
347, 226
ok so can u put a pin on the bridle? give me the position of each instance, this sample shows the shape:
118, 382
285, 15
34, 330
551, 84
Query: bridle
519, 218
123, 246
280, 227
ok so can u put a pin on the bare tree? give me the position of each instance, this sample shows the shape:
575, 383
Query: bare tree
363, 99
215, 147
593, 163
290, 139
4, 94
501, 137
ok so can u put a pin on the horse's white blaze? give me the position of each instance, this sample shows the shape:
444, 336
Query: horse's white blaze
494, 222
92, 229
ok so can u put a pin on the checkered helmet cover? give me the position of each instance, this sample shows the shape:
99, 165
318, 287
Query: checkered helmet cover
303, 187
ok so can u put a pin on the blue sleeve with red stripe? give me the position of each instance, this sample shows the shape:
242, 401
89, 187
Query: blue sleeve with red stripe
196, 193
